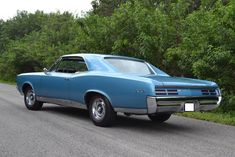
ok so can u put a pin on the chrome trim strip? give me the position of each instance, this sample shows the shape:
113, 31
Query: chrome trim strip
151, 105
150, 67
203, 97
186, 87
220, 99
206, 100
62, 102
131, 110
209, 101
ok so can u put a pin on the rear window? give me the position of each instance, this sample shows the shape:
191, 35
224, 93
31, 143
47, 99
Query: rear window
130, 66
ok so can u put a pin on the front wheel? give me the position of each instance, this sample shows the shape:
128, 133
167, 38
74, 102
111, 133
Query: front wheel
159, 117
101, 111
30, 100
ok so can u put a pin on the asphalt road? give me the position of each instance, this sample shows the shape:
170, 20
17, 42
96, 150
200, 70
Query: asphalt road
58, 131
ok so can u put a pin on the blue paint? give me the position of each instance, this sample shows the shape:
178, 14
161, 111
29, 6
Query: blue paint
122, 90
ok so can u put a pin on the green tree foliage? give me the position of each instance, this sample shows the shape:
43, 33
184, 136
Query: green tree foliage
105, 7
207, 49
193, 38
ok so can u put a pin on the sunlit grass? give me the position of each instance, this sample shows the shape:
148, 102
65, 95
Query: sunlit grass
223, 118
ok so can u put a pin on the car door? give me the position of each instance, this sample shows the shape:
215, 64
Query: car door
78, 82
55, 82
54, 85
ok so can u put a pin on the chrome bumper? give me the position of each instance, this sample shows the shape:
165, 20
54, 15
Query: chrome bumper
177, 104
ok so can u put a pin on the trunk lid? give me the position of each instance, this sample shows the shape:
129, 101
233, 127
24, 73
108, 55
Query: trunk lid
180, 82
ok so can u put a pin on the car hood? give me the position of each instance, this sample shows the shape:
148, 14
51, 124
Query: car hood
167, 81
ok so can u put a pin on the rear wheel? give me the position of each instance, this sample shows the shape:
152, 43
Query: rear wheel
101, 111
30, 100
159, 117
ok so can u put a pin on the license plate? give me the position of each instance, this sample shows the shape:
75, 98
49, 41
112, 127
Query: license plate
189, 106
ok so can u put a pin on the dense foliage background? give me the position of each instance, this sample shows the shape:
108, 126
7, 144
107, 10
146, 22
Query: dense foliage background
192, 38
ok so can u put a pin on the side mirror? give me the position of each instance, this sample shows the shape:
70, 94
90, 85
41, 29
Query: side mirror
45, 70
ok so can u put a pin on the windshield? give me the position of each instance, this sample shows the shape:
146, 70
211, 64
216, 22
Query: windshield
130, 66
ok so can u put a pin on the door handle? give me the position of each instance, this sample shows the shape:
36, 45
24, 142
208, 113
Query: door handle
67, 79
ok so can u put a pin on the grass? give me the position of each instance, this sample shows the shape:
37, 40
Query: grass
218, 117
8, 82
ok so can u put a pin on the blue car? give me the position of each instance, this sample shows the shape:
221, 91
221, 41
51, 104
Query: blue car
107, 84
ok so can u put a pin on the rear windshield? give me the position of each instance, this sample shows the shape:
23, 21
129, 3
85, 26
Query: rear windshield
130, 66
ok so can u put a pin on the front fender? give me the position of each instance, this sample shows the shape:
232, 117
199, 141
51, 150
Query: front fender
32, 80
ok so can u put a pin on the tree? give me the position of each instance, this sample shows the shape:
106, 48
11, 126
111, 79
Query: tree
193, 38
105, 7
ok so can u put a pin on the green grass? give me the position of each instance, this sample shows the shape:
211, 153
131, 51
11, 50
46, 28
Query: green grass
223, 118
8, 82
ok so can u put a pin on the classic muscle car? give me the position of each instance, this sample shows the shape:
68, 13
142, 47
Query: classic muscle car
107, 84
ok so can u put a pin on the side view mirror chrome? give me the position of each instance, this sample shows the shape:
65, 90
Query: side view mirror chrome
45, 70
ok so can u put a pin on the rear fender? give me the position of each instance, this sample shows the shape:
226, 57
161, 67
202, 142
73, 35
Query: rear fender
99, 92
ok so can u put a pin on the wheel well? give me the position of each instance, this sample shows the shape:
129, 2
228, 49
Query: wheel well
89, 95
25, 86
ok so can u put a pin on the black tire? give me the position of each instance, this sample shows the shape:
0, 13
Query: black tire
101, 111
159, 117
30, 100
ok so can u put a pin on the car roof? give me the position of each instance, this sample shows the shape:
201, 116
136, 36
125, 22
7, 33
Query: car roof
97, 62
93, 55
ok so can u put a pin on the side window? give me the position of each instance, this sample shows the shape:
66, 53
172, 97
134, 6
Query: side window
70, 65
54, 66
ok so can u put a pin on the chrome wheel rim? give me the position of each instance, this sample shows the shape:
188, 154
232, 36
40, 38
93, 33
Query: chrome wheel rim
30, 98
98, 109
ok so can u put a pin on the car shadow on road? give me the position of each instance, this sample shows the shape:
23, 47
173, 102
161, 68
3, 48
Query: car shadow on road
144, 124
135, 123
67, 111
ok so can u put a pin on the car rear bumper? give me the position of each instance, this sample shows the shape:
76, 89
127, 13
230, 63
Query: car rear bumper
177, 103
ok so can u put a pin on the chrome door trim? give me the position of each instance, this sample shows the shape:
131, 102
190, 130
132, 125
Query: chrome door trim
131, 110
62, 102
